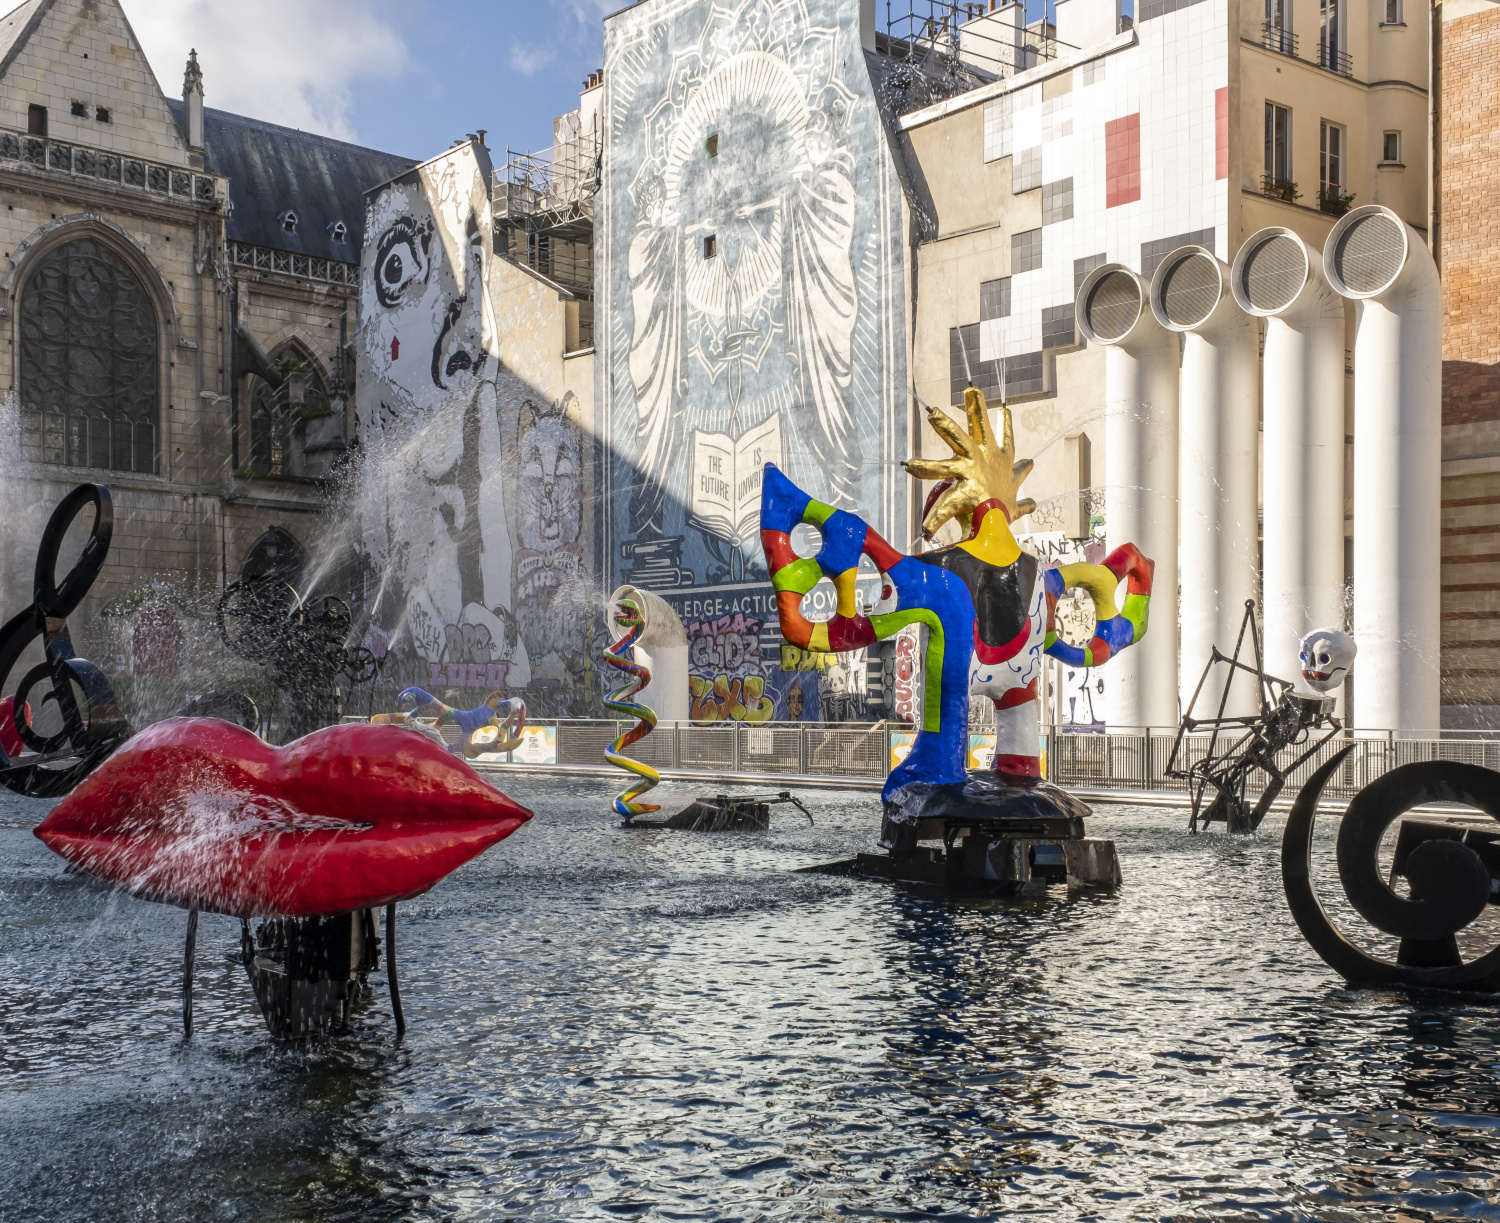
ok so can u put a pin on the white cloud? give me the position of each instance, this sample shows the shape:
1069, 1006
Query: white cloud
286, 61
528, 61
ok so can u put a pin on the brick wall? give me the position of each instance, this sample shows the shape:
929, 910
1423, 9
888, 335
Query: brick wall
1469, 184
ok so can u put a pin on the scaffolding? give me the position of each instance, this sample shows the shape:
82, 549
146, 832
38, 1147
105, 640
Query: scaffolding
969, 43
544, 217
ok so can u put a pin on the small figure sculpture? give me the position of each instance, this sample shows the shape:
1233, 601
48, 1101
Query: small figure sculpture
628, 616
493, 726
1284, 718
1326, 655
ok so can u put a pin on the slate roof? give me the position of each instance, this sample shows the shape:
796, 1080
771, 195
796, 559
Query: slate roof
273, 170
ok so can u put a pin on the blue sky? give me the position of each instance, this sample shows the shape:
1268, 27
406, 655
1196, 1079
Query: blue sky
404, 76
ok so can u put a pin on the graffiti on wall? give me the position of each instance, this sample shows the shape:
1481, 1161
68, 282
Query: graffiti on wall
469, 502
726, 675
752, 252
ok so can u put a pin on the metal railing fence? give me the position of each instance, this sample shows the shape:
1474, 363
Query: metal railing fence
1125, 761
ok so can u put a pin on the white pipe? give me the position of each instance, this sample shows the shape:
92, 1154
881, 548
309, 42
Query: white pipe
1140, 430
1218, 434
1378, 260
1278, 277
662, 648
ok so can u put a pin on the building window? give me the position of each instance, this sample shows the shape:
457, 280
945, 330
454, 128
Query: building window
1278, 143
1331, 155
80, 110
1390, 148
994, 299
101, 114
1026, 251
339, 231
1057, 201
89, 362
288, 221
274, 411
1331, 39
710, 246
36, 120
1276, 30
1392, 12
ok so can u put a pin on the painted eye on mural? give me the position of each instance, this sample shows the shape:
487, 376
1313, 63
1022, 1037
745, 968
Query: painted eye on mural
401, 259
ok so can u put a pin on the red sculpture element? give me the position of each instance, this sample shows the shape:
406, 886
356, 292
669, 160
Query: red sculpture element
201, 813
10, 737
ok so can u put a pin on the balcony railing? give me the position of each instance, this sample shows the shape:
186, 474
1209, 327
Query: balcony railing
112, 169
266, 259
1278, 38
1334, 60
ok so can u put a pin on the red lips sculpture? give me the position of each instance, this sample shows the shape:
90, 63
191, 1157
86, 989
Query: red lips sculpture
201, 813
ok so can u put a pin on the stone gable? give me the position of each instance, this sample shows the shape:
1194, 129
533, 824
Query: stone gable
84, 51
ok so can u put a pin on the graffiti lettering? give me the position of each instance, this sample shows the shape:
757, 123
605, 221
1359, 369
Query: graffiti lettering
722, 699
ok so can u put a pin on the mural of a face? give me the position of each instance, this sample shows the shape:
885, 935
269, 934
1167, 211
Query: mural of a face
1327, 654
549, 588
433, 510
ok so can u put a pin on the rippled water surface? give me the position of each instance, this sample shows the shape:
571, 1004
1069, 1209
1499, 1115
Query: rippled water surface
609, 1024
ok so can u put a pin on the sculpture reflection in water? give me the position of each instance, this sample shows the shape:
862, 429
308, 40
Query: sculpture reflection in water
988, 608
1451, 870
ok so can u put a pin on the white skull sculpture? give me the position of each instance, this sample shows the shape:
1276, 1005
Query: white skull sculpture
1327, 654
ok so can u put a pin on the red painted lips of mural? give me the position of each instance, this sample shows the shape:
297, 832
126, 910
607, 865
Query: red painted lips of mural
201, 813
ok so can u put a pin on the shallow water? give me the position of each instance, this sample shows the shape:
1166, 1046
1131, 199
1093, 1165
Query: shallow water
609, 1024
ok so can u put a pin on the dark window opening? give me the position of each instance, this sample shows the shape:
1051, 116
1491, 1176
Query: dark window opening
288, 221
101, 113
36, 120
89, 354
81, 110
710, 246
711, 145
339, 231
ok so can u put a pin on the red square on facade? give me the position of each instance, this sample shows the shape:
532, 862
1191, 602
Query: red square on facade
1221, 133
1122, 161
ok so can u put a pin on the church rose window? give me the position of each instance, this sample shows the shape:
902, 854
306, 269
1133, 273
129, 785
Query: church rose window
89, 362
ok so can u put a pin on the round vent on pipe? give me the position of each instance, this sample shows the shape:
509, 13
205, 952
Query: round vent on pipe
1370, 252
1113, 306
1273, 273
1190, 288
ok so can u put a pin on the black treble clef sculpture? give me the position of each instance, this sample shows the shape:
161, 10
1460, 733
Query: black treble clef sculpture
87, 713
1452, 872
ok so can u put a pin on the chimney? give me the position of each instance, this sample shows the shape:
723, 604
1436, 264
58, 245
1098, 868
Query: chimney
192, 108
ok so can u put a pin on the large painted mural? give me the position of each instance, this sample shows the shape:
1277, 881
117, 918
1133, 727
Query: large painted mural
471, 494
751, 289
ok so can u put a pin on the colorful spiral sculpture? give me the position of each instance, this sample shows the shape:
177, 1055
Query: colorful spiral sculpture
629, 618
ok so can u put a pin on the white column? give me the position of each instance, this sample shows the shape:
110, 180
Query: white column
1278, 277
1140, 404
1218, 436
1378, 260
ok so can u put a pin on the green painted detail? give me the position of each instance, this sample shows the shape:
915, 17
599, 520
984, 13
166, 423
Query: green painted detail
817, 513
799, 577
892, 623
1088, 656
1051, 639
1136, 607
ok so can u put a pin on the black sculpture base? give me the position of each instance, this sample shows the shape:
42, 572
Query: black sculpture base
992, 835
308, 974
721, 813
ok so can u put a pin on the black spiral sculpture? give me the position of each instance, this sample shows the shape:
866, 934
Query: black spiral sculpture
88, 714
1453, 872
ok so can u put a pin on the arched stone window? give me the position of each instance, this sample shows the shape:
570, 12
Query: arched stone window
275, 411
89, 362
